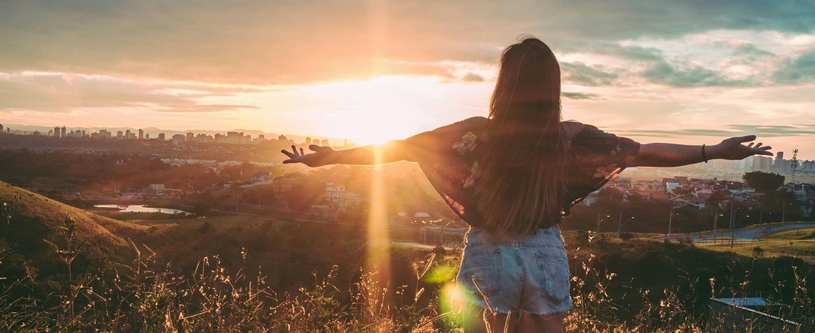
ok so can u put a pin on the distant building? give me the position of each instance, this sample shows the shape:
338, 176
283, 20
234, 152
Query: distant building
147, 136
324, 143
190, 136
141, 134
308, 140
178, 139
62, 131
161, 137
234, 137
56, 132
671, 185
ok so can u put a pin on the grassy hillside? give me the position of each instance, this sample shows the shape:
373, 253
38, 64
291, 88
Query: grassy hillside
30, 218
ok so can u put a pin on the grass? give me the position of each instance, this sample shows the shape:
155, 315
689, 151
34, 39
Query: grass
250, 274
799, 243
131, 216
35, 217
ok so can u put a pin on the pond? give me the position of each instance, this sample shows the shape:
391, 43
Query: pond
142, 209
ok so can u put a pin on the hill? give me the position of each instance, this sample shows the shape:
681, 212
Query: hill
32, 218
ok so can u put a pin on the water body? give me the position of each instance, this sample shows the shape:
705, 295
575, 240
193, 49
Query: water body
142, 209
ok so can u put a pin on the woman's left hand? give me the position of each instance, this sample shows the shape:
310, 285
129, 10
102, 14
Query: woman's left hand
734, 149
320, 156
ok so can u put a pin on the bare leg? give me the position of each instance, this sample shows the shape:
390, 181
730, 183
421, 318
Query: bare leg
476, 321
552, 323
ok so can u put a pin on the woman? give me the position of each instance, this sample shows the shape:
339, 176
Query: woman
512, 177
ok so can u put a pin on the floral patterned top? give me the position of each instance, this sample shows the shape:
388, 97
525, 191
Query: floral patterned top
449, 158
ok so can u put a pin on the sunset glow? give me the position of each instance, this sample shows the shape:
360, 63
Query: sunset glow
378, 70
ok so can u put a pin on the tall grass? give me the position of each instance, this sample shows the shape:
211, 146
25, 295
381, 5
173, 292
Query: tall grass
145, 296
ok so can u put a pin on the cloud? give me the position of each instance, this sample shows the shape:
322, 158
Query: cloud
797, 70
592, 76
750, 49
615, 49
688, 76
761, 131
472, 77
579, 95
57, 92
294, 42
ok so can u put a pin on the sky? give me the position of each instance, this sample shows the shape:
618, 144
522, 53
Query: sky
654, 70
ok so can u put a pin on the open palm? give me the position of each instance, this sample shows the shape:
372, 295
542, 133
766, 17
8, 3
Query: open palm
320, 156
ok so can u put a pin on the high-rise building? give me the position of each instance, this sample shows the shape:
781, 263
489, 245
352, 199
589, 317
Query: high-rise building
161, 137
141, 134
56, 131
178, 139
119, 135
190, 136
147, 136
231, 137
62, 131
324, 143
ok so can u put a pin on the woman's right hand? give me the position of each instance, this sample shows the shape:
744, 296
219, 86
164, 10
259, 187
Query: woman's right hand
320, 156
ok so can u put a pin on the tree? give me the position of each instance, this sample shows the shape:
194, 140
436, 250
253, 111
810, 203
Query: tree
763, 182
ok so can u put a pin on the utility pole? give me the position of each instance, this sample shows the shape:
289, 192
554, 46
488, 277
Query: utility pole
715, 223
732, 231
598, 223
620, 226
783, 212
670, 220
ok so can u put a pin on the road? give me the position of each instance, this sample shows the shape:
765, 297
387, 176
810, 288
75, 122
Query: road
745, 234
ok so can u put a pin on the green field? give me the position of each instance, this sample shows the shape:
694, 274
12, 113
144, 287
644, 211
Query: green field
798, 243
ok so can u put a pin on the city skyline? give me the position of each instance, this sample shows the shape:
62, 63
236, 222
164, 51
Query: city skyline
370, 71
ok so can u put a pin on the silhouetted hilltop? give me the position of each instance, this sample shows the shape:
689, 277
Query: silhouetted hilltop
34, 218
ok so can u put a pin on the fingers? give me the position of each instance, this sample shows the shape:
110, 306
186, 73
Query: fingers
301, 152
285, 152
320, 149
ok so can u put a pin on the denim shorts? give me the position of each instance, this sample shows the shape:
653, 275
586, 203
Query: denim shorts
516, 272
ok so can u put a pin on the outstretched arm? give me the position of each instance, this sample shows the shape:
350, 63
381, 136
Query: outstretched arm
671, 155
390, 152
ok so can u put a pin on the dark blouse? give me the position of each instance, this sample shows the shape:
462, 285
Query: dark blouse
449, 157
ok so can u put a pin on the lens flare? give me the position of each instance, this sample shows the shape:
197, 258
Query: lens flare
378, 256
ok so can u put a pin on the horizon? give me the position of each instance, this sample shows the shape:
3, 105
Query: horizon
372, 71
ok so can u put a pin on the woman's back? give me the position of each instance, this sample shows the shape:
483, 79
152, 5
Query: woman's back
452, 158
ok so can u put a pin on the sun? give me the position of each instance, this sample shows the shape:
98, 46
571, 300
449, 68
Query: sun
375, 110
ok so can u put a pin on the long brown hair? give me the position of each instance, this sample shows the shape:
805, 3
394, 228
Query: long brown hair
521, 184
